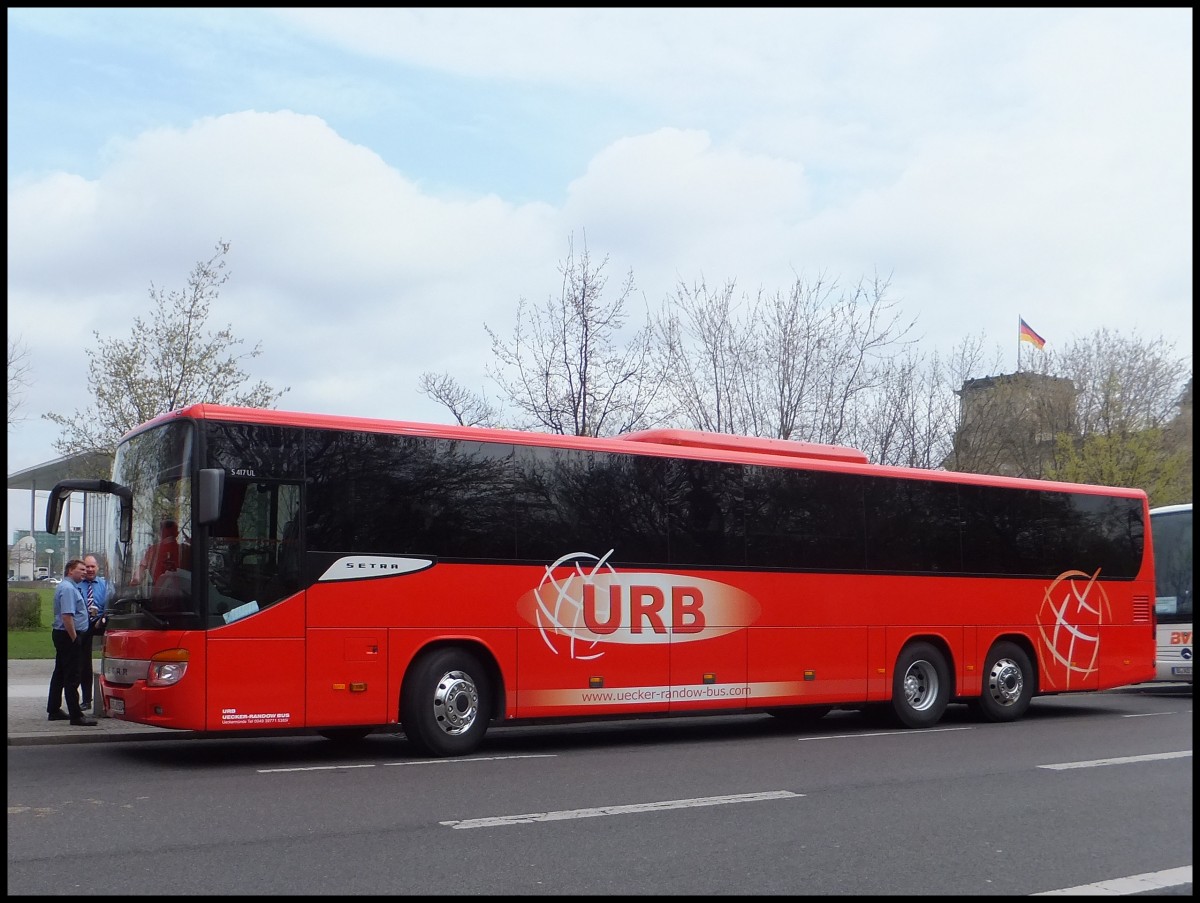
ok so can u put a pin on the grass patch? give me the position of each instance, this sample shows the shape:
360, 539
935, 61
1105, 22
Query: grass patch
25, 644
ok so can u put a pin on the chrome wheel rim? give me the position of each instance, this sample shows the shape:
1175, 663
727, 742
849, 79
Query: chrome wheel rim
920, 686
455, 703
1005, 682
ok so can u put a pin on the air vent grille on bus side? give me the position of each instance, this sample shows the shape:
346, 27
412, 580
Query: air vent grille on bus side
1141, 609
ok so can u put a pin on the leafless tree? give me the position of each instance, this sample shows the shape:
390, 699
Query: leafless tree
1123, 382
914, 417
568, 368
705, 342
466, 407
795, 364
20, 372
165, 364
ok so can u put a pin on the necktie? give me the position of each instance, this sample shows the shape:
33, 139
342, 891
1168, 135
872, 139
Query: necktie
91, 589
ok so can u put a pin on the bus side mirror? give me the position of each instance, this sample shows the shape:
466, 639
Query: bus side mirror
62, 491
211, 489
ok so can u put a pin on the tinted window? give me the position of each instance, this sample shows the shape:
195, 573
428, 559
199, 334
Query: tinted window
389, 494
572, 501
1035, 533
706, 523
999, 530
913, 525
804, 519
258, 452
379, 493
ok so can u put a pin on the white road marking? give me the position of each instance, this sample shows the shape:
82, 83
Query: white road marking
900, 733
1134, 884
416, 762
1148, 714
1123, 760
501, 821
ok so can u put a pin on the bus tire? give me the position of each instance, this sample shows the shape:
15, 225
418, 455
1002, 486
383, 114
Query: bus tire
920, 686
1008, 684
345, 734
445, 703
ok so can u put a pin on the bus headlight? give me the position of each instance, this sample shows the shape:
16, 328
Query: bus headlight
167, 668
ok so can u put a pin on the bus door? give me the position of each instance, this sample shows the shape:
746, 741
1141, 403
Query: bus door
256, 644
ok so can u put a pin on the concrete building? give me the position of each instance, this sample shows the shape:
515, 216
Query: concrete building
1008, 423
77, 533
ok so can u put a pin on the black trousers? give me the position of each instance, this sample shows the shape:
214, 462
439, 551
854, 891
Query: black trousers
65, 680
87, 677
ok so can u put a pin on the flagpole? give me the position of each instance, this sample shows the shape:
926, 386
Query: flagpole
1019, 321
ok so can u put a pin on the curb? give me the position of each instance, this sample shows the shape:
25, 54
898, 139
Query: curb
97, 736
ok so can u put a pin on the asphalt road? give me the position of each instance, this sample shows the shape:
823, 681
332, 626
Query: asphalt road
1086, 789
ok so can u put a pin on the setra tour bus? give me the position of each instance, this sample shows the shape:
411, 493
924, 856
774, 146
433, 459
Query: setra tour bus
343, 575
1171, 534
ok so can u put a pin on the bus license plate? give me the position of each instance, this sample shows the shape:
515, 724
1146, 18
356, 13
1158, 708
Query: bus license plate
116, 706
1182, 670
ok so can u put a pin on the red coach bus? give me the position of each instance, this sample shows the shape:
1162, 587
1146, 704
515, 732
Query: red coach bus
282, 570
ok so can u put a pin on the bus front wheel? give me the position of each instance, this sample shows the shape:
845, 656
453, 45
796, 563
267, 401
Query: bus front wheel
445, 703
1008, 684
920, 686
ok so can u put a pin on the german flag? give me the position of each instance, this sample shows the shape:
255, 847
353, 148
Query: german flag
1028, 335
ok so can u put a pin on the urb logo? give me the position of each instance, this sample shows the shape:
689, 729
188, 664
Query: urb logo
1074, 608
582, 603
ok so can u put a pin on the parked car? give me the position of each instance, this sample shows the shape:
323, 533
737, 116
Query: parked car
53, 581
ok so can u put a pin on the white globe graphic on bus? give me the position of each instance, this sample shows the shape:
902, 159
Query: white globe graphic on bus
1073, 608
559, 609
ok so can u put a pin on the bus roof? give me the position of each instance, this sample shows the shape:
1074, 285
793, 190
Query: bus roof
672, 443
1171, 509
726, 442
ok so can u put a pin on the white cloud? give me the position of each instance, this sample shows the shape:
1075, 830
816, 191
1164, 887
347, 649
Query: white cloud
994, 163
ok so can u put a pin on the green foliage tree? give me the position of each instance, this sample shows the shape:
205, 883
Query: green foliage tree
1141, 459
1133, 427
165, 364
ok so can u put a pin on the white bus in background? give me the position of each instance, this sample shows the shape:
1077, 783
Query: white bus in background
1171, 531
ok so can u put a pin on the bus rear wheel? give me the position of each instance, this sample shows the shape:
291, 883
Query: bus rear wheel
920, 686
445, 704
1008, 684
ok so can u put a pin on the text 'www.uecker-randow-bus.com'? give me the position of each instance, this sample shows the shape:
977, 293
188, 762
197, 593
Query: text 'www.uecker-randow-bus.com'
658, 694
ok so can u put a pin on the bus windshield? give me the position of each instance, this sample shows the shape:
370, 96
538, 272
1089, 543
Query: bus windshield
151, 576
1172, 530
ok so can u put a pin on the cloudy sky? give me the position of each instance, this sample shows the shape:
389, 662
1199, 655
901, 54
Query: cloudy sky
390, 181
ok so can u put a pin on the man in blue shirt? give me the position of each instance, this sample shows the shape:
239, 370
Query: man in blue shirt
70, 625
94, 589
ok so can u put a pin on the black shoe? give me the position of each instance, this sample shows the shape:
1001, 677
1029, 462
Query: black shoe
84, 722
86, 704
60, 715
